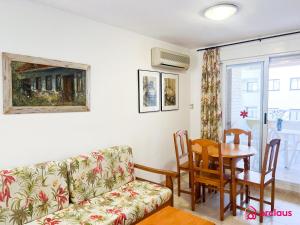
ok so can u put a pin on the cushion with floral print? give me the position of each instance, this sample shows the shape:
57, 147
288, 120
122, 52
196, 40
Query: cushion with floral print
99, 172
28, 193
122, 206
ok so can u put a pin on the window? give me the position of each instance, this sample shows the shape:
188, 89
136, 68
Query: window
58, 82
252, 112
295, 83
274, 85
252, 87
48, 83
38, 83
295, 114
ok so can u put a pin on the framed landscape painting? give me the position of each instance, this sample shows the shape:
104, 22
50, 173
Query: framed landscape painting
38, 85
170, 91
149, 91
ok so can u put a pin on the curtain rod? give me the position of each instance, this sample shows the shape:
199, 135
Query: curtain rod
247, 41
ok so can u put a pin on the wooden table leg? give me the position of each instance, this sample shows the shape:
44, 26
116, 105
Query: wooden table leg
233, 165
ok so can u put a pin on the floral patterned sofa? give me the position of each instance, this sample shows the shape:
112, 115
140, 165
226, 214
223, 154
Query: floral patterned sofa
98, 188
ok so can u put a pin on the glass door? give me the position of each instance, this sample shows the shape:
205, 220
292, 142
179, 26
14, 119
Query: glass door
284, 114
244, 107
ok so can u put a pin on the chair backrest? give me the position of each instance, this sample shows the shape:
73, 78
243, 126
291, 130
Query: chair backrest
202, 149
181, 139
270, 158
237, 132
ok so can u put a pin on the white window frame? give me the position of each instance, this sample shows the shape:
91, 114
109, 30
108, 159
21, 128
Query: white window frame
272, 88
297, 114
252, 89
298, 83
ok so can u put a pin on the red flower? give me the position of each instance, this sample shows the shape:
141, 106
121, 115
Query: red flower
7, 180
121, 170
96, 217
43, 197
133, 194
49, 221
97, 170
121, 216
1, 197
84, 202
98, 156
61, 197
116, 194
130, 168
244, 114
113, 211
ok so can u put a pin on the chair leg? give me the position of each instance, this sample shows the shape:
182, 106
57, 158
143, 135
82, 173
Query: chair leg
230, 195
261, 205
242, 194
203, 192
222, 203
247, 194
178, 183
272, 195
193, 196
190, 179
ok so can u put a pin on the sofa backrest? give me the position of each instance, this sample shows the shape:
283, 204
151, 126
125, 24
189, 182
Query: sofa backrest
28, 193
99, 172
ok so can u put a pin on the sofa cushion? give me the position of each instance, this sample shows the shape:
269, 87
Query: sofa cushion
124, 205
99, 172
28, 193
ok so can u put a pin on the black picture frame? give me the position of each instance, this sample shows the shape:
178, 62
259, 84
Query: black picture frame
142, 106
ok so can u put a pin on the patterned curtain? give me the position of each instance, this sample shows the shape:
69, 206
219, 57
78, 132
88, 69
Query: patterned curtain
211, 114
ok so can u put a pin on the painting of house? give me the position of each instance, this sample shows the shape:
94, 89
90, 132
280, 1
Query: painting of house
35, 84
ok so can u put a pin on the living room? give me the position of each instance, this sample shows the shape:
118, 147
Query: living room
97, 57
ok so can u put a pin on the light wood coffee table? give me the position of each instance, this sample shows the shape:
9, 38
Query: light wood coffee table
173, 216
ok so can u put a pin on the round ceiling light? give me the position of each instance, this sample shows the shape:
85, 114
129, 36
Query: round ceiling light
220, 12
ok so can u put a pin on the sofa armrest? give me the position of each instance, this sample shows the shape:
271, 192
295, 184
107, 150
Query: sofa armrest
169, 175
157, 171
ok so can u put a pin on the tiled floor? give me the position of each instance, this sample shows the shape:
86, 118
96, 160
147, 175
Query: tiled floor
210, 209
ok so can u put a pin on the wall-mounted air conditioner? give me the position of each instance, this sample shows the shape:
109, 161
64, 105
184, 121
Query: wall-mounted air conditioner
169, 59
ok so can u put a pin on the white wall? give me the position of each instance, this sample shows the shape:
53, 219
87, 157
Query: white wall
114, 55
277, 46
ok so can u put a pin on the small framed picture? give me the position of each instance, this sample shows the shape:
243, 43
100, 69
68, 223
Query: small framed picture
169, 91
149, 91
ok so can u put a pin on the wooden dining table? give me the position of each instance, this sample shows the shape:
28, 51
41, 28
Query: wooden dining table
232, 153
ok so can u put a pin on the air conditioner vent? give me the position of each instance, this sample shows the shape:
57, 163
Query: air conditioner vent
173, 57
169, 59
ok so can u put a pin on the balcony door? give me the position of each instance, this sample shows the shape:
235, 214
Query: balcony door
244, 107
263, 95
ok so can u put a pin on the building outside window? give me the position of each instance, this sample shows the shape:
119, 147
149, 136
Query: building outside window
252, 86
48, 83
295, 114
295, 83
274, 85
252, 112
38, 83
272, 113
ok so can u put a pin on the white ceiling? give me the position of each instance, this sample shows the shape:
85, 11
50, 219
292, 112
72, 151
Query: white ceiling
181, 21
